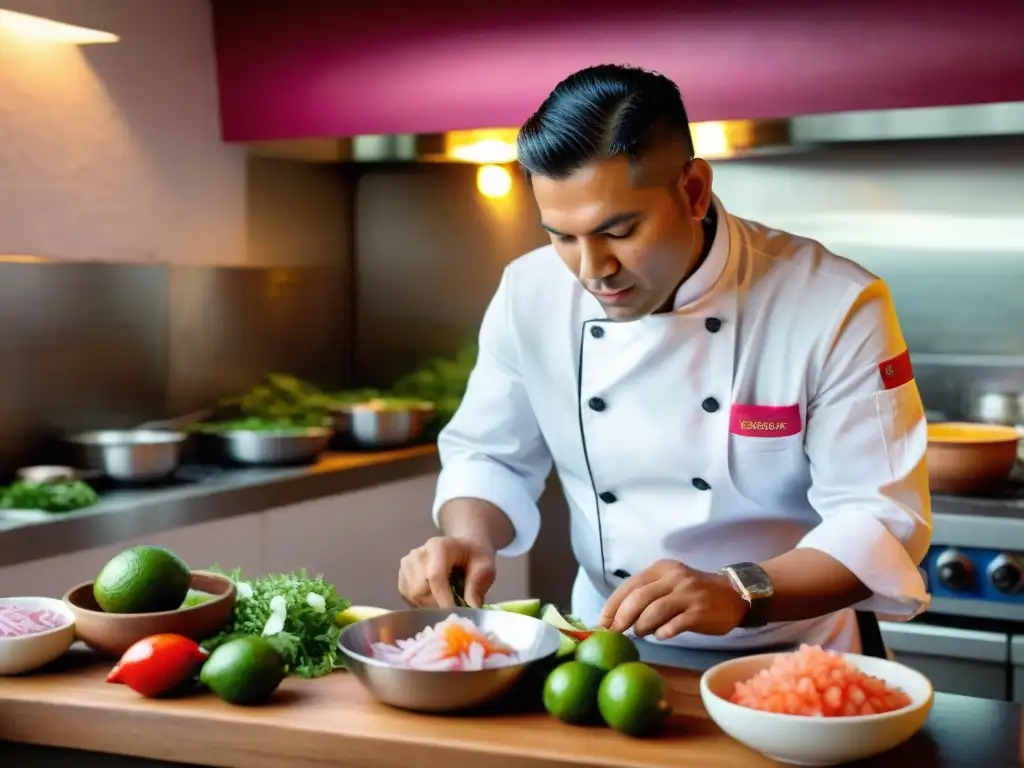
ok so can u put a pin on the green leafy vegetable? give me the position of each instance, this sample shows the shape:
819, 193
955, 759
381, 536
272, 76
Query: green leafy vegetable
65, 496
293, 612
278, 401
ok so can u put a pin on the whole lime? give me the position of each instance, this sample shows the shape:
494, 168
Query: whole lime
570, 693
606, 650
143, 579
633, 699
245, 670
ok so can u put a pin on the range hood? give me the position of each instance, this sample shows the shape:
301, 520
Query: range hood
714, 140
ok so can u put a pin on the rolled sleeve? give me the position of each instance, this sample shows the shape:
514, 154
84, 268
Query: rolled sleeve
867, 443
493, 449
490, 481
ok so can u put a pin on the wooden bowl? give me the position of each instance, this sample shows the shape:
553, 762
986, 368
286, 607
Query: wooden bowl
966, 458
114, 633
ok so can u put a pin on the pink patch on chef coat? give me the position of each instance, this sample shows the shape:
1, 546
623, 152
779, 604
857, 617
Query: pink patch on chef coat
896, 371
765, 420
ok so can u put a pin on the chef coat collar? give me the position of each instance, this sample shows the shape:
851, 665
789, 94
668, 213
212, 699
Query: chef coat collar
703, 280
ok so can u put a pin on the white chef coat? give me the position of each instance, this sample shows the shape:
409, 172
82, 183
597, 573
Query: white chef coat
773, 408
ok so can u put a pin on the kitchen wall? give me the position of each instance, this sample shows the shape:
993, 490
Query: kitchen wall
113, 152
146, 267
942, 222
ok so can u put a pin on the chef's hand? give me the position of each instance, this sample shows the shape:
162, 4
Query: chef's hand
670, 598
423, 578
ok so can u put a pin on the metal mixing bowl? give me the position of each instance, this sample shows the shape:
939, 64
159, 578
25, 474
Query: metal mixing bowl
444, 691
285, 446
374, 426
129, 455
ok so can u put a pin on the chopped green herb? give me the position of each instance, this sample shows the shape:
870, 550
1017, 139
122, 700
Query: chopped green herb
66, 496
292, 611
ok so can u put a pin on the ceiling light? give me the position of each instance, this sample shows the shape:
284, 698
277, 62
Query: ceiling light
50, 31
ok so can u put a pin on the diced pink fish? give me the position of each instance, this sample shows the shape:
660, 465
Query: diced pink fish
15, 621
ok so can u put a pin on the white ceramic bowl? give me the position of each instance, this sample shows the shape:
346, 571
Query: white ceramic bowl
30, 652
816, 740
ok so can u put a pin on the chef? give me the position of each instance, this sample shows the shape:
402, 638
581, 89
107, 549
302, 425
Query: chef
731, 409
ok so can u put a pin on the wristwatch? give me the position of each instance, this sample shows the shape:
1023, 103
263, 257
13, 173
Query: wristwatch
755, 587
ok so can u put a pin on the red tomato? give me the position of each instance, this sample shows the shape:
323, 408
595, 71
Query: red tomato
158, 664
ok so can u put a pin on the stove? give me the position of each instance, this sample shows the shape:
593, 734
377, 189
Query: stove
971, 639
975, 566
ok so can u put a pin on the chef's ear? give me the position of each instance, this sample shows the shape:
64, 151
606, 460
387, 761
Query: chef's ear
695, 186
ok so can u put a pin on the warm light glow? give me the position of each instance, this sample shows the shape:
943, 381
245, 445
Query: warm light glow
485, 146
50, 31
14, 258
493, 181
711, 139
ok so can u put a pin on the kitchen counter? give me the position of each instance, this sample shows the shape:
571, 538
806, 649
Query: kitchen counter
199, 495
333, 721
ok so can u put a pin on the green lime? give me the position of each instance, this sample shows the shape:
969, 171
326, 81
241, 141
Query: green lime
606, 650
143, 579
245, 670
570, 692
356, 613
529, 607
632, 699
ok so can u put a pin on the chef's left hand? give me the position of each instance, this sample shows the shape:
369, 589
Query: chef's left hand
669, 598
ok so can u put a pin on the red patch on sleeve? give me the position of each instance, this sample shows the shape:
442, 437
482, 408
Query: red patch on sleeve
896, 371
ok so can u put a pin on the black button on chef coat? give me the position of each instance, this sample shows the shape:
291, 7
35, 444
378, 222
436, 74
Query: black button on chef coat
607, 497
621, 574
596, 404
701, 484
710, 405
713, 324
596, 331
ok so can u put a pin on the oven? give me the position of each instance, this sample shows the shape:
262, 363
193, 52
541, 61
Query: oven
971, 639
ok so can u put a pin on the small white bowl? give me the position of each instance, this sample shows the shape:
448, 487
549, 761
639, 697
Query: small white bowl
30, 652
817, 741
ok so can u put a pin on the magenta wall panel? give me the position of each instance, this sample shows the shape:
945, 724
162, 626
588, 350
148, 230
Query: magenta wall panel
308, 68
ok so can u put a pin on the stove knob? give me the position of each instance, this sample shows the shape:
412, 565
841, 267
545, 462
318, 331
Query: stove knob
954, 570
1006, 574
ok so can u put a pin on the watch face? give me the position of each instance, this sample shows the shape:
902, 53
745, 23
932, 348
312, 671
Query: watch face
754, 580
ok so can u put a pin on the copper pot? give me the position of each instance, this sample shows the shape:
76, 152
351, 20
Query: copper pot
965, 458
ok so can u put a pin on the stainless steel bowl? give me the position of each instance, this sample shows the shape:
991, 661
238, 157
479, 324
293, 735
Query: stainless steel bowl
375, 426
438, 691
286, 446
997, 408
43, 474
130, 455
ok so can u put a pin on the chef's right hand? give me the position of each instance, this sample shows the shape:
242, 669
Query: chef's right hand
424, 575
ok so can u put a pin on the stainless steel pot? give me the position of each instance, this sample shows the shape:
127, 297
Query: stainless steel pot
287, 446
374, 426
130, 455
997, 408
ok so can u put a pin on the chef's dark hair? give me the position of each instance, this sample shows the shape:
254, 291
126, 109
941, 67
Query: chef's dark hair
601, 112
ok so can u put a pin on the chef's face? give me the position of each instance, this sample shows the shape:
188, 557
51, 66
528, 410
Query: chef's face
630, 232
